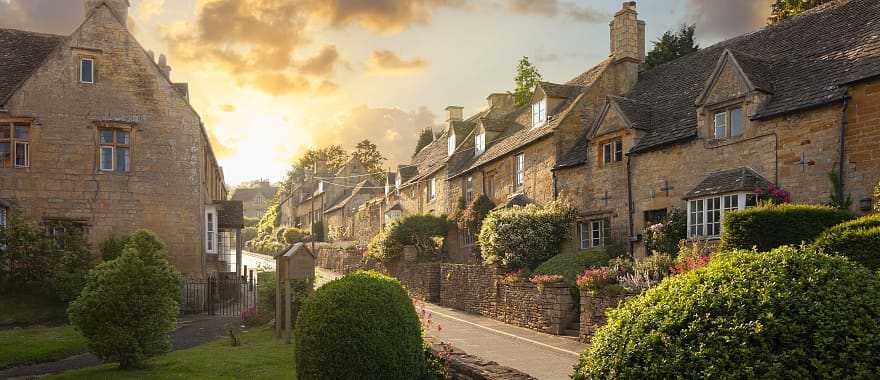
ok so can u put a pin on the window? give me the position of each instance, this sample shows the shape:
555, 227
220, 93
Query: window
612, 152
705, 215
539, 113
115, 150
87, 70
653, 217
520, 173
211, 230
468, 190
584, 235
490, 185
432, 189
593, 234
467, 237
3, 212
450, 144
14, 145
480, 144
728, 123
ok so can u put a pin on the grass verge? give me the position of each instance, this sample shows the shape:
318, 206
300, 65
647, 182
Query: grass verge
260, 356
39, 345
27, 310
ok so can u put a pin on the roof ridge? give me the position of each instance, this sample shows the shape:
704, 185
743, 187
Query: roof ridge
33, 32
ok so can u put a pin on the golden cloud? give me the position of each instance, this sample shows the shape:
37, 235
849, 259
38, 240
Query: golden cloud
553, 8
388, 62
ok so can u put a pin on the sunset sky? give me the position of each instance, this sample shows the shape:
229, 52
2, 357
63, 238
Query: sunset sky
272, 77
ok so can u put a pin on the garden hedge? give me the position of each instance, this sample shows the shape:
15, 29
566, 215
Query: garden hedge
857, 239
769, 227
361, 326
784, 314
524, 237
570, 265
421, 231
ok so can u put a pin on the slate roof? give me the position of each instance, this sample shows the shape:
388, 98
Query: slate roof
810, 56
554, 90
639, 114
348, 197
729, 181
21, 53
230, 214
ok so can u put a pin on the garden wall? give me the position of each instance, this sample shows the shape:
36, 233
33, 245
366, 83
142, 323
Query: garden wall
593, 308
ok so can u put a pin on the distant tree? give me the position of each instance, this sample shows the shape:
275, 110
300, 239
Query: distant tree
334, 155
672, 45
368, 154
426, 136
783, 9
527, 77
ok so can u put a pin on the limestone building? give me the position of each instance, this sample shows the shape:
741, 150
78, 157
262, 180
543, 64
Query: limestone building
256, 199
95, 135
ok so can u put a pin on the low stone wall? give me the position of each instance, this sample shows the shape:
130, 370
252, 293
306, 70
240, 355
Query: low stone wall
467, 367
470, 288
593, 308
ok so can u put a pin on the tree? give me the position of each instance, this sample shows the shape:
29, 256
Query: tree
783, 9
333, 155
672, 45
368, 155
527, 77
426, 136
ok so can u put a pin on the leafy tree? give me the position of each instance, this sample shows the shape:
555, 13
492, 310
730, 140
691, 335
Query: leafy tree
334, 155
369, 155
783, 9
527, 77
672, 45
426, 136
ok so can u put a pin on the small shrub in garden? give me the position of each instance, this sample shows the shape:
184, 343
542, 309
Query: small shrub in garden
543, 279
783, 314
295, 235
129, 306
420, 231
570, 265
665, 237
768, 227
597, 279
857, 239
361, 326
112, 248
524, 237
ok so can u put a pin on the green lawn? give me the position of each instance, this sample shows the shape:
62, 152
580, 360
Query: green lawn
38, 345
27, 310
260, 356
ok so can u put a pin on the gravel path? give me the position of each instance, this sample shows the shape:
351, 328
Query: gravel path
191, 331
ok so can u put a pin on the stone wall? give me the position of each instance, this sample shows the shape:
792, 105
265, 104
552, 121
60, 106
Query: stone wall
466, 367
593, 308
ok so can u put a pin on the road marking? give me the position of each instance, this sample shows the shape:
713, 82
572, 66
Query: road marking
505, 333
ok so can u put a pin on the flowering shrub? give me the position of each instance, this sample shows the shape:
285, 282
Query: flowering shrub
773, 195
524, 237
596, 279
513, 277
687, 264
665, 237
544, 279
249, 316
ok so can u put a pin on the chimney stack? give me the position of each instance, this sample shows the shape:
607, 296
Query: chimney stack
119, 8
163, 65
628, 34
456, 113
501, 101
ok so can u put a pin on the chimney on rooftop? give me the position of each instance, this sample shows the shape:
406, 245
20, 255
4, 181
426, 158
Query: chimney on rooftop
163, 65
501, 101
119, 8
628, 34
456, 113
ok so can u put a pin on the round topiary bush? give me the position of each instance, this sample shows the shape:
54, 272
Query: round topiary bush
773, 226
361, 326
129, 305
783, 314
857, 239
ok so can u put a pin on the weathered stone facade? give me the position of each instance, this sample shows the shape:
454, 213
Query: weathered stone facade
172, 174
594, 307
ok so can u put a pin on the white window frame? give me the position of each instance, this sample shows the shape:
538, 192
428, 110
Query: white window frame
722, 123
468, 189
91, 70
598, 233
112, 146
539, 113
17, 144
450, 143
480, 144
612, 152
701, 220
432, 189
112, 158
584, 235
519, 178
211, 230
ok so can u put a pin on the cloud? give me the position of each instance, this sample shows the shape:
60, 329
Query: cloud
228, 108
322, 63
47, 16
720, 19
554, 8
384, 16
149, 9
388, 62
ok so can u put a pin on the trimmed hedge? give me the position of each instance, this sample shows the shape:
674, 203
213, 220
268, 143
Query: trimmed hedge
783, 314
524, 237
361, 326
857, 239
769, 227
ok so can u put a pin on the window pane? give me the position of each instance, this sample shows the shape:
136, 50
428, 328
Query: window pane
720, 124
5, 154
122, 160
86, 70
713, 216
106, 158
106, 136
736, 122
618, 151
584, 233
122, 137
2, 217
21, 132
751, 200
606, 153
21, 154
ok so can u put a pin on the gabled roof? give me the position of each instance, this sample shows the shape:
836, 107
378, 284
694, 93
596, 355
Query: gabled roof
729, 181
361, 187
810, 56
21, 53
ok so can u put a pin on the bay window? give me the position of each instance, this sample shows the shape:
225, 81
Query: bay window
15, 145
705, 215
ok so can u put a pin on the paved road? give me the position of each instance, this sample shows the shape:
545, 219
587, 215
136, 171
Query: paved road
541, 355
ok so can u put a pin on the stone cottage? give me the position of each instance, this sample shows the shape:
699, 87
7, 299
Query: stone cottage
256, 199
95, 135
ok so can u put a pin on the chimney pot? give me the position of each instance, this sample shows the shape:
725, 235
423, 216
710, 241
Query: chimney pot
501, 100
456, 113
163, 66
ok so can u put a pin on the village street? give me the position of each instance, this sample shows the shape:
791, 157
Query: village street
540, 355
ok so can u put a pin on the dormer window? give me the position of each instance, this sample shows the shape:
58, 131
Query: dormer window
612, 152
451, 143
728, 123
87, 70
480, 144
539, 113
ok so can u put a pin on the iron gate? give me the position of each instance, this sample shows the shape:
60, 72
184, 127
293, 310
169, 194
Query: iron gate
219, 294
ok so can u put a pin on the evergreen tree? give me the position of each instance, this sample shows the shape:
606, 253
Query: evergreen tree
426, 136
527, 77
672, 45
368, 154
783, 9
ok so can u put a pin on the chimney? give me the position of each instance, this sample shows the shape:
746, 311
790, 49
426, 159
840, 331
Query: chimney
163, 65
151, 55
501, 101
119, 8
628, 34
456, 113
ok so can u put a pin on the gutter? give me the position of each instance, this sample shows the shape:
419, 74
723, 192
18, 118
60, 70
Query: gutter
629, 206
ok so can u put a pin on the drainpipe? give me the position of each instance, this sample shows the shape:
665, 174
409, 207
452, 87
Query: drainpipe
629, 206
843, 125
555, 185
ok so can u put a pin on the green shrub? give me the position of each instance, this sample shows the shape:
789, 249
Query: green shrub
857, 239
570, 265
473, 215
129, 306
524, 237
295, 235
362, 326
782, 314
421, 231
266, 296
665, 237
769, 227
112, 248
251, 222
